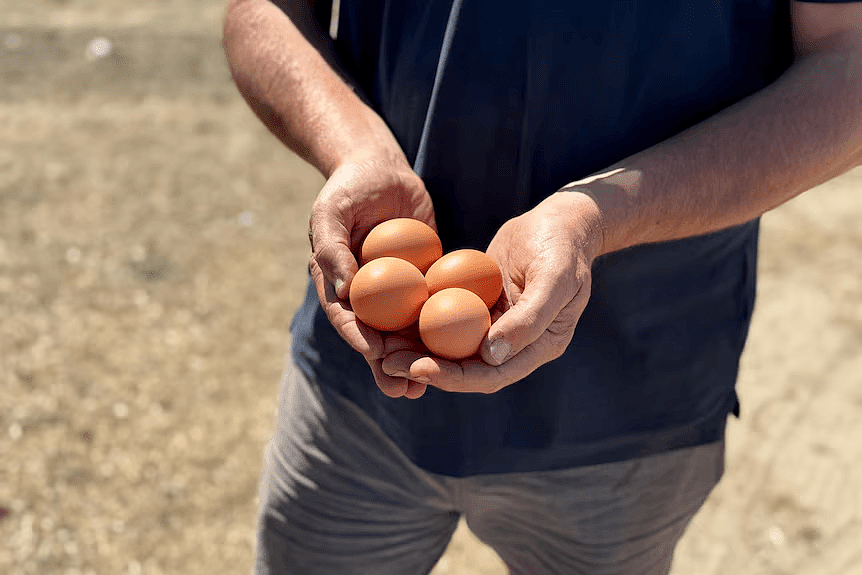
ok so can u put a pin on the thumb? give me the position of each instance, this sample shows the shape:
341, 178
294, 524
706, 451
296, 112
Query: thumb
523, 323
330, 245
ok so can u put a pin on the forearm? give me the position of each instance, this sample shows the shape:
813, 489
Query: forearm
294, 89
800, 131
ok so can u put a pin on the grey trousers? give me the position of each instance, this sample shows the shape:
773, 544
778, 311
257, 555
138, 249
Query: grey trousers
337, 497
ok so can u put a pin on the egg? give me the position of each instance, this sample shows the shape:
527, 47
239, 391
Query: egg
387, 293
453, 323
403, 238
468, 269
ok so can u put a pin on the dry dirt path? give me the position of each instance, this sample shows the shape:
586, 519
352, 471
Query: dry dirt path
152, 251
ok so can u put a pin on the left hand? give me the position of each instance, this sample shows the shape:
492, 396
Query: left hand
545, 256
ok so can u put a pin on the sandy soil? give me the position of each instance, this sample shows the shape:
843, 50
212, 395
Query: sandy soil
152, 251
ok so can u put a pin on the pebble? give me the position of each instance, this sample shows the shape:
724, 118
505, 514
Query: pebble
13, 42
246, 219
98, 48
121, 410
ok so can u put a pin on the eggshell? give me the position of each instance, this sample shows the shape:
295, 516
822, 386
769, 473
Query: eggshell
468, 269
453, 323
387, 293
403, 238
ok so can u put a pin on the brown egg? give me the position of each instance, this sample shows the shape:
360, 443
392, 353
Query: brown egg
403, 238
453, 323
387, 293
468, 269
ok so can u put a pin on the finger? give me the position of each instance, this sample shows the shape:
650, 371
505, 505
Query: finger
398, 364
475, 375
330, 240
496, 313
415, 390
543, 297
393, 343
311, 218
466, 376
359, 336
390, 386
394, 346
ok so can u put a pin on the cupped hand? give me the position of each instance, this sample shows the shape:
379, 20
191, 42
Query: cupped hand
545, 256
356, 197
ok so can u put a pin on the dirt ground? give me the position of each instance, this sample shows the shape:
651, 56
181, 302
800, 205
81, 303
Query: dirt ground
153, 250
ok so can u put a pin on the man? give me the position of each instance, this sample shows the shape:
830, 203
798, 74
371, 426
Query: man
591, 428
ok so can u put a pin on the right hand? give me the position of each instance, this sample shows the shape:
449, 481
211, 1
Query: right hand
356, 197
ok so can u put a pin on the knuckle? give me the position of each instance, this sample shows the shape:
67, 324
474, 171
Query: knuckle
324, 251
316, 209
531, 319
560, 342
558, 349
344, 204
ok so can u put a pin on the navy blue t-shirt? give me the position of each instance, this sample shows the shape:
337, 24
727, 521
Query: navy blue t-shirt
535, 95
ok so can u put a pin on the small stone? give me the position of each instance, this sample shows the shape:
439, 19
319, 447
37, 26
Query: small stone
73, 255
98, 48
106, 469
13, 41
246, 219
776, 535
139, 253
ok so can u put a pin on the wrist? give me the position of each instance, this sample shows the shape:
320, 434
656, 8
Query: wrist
612, 195
370, 142
586, 221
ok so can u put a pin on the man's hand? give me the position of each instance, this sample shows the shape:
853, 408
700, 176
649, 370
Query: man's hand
285, 67
358, 196
545, 256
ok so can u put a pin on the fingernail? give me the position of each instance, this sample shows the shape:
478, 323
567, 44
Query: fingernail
499, 350
421, 379
339, 283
